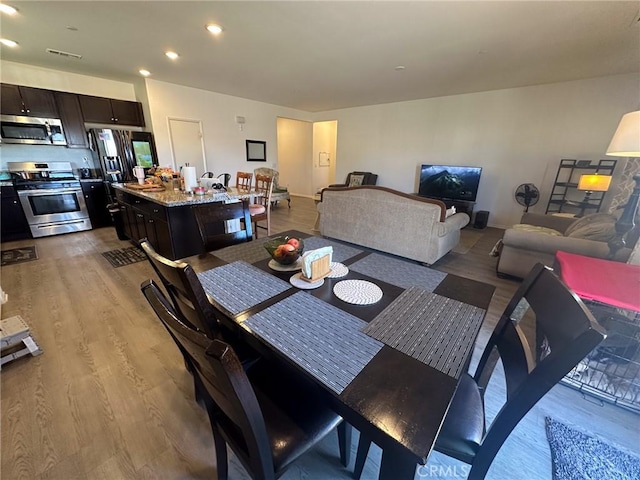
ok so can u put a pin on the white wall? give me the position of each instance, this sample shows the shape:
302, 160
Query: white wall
517, 135
324, 140
295, 146
223, 140
38, 77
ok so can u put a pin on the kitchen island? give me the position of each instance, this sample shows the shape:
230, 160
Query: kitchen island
165, 217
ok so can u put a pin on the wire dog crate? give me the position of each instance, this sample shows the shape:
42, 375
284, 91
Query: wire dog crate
611, 372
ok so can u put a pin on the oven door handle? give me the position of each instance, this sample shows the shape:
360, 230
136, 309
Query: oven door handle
37, 193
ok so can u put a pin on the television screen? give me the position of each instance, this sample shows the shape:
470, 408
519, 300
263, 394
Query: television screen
449, 181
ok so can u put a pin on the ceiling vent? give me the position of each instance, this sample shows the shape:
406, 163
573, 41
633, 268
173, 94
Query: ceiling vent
64, 54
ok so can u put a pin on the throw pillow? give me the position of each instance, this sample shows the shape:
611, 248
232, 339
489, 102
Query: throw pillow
356, 180
589, 219
599, 227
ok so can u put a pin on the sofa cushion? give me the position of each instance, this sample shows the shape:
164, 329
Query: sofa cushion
355, 180
536, 228
599, 227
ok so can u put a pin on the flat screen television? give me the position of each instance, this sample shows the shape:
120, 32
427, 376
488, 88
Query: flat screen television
450, 182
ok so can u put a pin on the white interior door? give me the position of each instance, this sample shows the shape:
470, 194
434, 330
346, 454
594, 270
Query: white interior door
187, 144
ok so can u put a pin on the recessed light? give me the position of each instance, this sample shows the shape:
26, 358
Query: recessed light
172, 55
399, 68
8, 9
213, 28
71, 28
8, 43
144, 73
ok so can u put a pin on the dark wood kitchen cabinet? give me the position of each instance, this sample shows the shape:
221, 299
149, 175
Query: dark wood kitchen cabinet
143, 218
13, 223
27, 101
72, 121
95, 196
111, 111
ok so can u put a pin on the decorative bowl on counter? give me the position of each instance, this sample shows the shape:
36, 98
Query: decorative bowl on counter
285, 250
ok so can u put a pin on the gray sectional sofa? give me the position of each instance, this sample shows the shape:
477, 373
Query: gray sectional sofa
390, 221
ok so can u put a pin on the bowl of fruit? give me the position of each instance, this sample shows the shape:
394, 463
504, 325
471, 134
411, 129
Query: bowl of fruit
285, 250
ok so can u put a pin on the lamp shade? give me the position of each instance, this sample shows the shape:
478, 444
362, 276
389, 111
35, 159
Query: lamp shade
626, 140
594, 182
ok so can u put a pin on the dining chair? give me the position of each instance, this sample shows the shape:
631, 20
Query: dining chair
565, 333
213, 218
190, 302
243, 181
260, 210
267, 417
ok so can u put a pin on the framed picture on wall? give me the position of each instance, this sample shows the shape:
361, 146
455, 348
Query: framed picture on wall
256, 151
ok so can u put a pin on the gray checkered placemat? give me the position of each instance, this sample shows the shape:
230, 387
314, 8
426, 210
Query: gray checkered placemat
420, 324
238, 286
340, 252
250, 252
398, 272
319, 337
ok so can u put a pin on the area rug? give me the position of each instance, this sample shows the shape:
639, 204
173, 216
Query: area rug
18, 255
578, 456
124, 256
468, 239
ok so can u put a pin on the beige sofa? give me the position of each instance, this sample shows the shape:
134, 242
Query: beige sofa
390, 221
538, 237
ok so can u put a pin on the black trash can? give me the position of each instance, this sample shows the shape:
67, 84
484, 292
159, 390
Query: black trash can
118, 221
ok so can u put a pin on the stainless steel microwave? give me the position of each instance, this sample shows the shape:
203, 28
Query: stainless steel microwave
31, 130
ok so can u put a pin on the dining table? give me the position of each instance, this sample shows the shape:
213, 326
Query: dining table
386, 339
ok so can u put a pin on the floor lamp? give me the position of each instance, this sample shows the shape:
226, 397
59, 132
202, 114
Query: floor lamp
626, 143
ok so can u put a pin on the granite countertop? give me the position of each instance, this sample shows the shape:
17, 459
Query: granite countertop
176, 198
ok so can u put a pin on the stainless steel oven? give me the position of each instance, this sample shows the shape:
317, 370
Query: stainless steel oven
51, 197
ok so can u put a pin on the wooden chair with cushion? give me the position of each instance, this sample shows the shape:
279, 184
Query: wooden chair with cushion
267, 418
565, 333
261, 208
243, 181
212, 223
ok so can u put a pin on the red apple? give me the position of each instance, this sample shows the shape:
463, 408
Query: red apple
294, 242
287, 248
279, 252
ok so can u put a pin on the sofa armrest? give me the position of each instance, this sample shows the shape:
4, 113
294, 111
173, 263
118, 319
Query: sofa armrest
455, 222
550, 244
549, 221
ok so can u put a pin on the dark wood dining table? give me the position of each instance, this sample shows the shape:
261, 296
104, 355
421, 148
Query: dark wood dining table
394, 380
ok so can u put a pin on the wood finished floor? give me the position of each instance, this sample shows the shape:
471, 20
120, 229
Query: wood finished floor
110, 399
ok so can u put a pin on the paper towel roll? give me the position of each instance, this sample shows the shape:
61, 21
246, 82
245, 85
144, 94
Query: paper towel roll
190, 179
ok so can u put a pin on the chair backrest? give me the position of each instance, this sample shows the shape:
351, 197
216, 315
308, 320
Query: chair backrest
232, 405
565, 333
270, 172
185, 291
264, 185
212, 217
243, 180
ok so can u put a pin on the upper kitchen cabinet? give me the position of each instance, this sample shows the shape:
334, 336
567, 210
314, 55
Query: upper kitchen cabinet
27, 101
72, 121
111, 111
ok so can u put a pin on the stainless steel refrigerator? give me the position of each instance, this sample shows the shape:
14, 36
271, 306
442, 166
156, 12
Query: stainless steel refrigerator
118, 151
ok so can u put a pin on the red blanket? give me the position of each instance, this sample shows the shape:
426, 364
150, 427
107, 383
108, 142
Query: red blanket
609, 282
